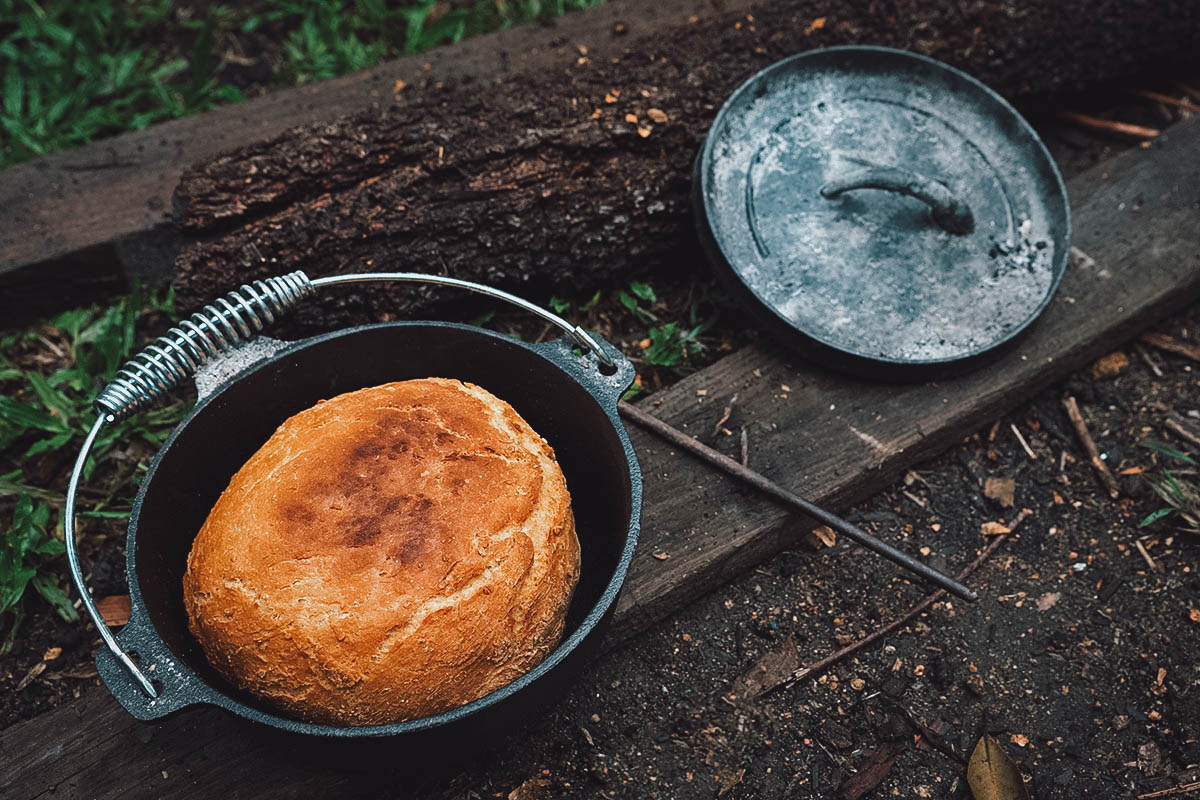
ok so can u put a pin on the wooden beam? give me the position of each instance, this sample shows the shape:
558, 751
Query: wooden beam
87, 216
831, 439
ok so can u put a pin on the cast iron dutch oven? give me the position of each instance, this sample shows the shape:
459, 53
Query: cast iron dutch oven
886, 214
567, 389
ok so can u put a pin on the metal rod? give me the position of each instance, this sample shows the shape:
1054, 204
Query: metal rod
723, 462
77, 572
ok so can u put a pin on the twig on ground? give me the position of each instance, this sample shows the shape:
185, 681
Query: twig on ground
1172, 345
1150, 562
1145, 354
745, 448
1159, 97
933, 737
1108, 125
995, 429
1028, 450
1180, 789
1178, 427
913, 613
728, 412
726, 464
1089, 444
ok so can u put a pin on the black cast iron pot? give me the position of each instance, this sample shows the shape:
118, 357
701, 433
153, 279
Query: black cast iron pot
565, 395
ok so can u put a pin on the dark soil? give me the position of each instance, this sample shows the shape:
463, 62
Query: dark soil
1079, 657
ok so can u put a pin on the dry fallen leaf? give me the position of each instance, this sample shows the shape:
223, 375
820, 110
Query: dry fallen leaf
729, 781
1149, 759
1110, 366
662, 556
992, 775
1019, 739
1194, 614
631, 119
643, 132
656, 114
1047, 601
52, 653
772, 669
826, 535
994, 528
34, 671
1001, 490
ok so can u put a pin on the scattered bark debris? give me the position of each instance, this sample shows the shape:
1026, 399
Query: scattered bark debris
1002, 490
1089, 444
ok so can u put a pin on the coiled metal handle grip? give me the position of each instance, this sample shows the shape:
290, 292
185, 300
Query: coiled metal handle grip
215, 329
175, 356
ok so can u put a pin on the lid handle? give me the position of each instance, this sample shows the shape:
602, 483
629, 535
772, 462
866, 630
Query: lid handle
952, 214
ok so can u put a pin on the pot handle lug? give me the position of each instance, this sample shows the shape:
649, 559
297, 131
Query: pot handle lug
950, 213
174, 688
606, 384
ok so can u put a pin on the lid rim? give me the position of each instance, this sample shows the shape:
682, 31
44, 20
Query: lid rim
1043, 165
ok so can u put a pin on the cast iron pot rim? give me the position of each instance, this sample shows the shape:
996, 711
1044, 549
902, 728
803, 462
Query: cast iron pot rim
717, 253
141, 626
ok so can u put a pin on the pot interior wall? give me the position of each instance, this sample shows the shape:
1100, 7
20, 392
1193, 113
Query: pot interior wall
223, 432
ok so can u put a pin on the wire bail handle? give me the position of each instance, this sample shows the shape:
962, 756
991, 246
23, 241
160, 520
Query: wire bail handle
215, 329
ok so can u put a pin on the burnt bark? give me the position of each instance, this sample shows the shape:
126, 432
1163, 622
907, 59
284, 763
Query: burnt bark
567, 180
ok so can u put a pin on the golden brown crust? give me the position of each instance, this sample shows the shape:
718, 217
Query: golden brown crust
388, 554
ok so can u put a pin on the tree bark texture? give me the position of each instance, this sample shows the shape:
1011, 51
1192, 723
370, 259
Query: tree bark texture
577, 178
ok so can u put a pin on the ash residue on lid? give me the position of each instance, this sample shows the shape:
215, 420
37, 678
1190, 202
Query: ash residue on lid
870, 272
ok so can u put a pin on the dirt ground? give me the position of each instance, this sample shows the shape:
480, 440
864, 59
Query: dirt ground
1081, 658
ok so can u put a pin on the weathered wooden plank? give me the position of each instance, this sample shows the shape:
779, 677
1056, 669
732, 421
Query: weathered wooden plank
831, 439
835, 440
82, 217
575, 179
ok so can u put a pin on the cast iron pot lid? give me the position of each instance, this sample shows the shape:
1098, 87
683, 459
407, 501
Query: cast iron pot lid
884, 206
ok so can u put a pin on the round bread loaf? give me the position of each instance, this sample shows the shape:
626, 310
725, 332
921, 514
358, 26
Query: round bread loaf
388, 554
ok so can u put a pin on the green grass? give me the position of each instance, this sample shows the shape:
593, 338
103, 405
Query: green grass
49, 375
77, 70
26, 556
667, 345
1177, 488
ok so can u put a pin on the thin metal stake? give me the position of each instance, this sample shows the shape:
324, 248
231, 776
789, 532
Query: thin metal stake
723, 462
